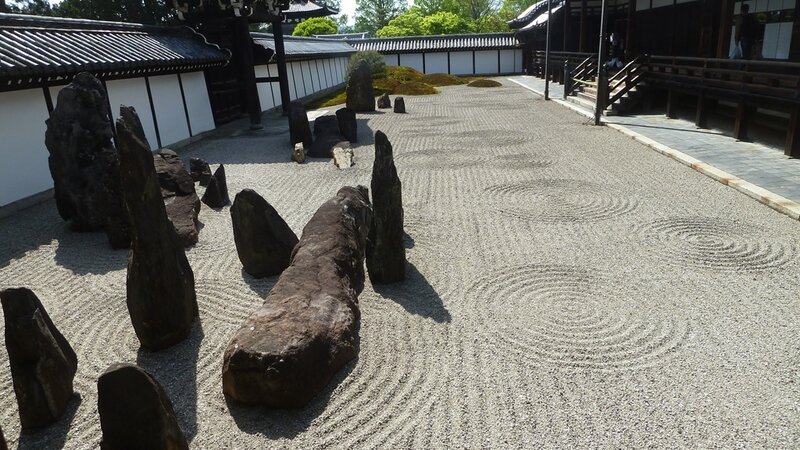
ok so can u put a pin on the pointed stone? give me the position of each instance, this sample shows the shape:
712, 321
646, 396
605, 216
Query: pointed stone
290, 348
264, 241
84, 163
180, 198
216, 195
43, 364
384, 102
200, 171
160, 285
348, 126
299, 128
135, 412
360, 95
399, 105
386, 254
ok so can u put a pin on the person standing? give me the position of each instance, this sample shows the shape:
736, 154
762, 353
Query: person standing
748, 32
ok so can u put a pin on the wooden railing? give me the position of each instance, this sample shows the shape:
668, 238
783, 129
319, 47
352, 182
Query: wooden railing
624, 80
557, 60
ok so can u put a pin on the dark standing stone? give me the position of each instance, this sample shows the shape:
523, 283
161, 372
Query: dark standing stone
135, 412
216, 195
264, 241
384, 101
386, 254
3, 445
399, 105
42, 362
326, 136
200, 171
289, 348
84, 163
161, 296
360, 96
180, 198
348, 126
299, 129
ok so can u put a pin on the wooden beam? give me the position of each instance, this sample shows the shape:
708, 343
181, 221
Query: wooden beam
792, 148
630, 41
244, 47
283, 74
704, 107
584, 32
744, 114
725, 23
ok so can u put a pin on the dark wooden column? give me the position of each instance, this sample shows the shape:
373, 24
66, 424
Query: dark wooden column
670, 113
283, 74
793, 134
584, 31
744, 114
244, 48
724, 33
794, 49
630, 40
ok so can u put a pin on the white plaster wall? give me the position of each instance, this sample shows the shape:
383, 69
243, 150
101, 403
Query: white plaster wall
328, 68
168, 105
461, 63
507, 61
272, 71
133, 92
298, 79
264, 89
486, 62
436, 62
196, 93
518, 61
413, 60
391, 59
308, 78
319, 74
23, 155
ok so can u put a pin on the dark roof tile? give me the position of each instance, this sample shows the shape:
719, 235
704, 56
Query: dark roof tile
453, 42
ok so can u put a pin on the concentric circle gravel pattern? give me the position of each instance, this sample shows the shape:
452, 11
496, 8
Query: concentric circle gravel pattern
569, 317
702, 243
566, 288
558, 200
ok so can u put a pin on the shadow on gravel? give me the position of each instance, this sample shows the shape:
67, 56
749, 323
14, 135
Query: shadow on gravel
176, 370
287, 423
89, 253
260, 286
415, 295
55, 435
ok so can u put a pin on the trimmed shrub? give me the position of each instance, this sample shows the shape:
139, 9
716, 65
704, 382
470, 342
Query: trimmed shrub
484, 83
403, 73
442, 79
415, 88
377, 65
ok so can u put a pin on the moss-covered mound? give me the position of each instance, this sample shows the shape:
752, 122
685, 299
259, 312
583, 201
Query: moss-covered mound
415, 88
385, 85
484, 83
403, 73
442, 79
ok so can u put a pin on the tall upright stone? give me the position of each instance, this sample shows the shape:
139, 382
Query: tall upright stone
216, 195
84, 163
299, 128
307, 328
386, 253
135, 412
399, 105
160, 286
263, 239
360, 95
43, 364
348, 125
180, 197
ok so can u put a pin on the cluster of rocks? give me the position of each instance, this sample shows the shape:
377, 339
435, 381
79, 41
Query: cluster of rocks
332, 135
179, 196
134, 410
385, 102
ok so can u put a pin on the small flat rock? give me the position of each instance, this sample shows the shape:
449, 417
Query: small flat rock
343, 156
200, 171
384, 102
299, 153
216, 195
264, 241
360, 95
399, 105
135, 412
43, 364
348, 125
299, 128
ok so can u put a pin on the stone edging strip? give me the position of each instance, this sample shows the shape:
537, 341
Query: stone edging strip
764, 196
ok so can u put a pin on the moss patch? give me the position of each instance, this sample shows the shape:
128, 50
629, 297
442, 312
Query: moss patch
415, 88
403, 73
484, 83
442, 79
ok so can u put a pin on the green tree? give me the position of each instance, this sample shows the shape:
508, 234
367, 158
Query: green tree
475, 9
512, 8
406, 24
491, 23
37, 7
137, 11
447, 23
372, 15
429, 7
315, 25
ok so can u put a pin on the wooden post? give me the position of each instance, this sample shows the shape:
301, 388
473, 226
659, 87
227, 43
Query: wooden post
725, 22
547, 52
602, 81
244, 47
703, 106
584, 31
283, 74
670, 105
567, 79
743, 115
630, 47
792, 148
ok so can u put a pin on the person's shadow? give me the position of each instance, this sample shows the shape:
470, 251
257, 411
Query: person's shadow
175, 369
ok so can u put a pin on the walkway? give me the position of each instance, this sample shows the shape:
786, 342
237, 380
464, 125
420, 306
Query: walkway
757, 164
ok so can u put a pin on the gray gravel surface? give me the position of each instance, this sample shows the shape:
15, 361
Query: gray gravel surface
567, 288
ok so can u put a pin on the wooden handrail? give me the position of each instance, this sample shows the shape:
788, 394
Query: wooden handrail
633, 63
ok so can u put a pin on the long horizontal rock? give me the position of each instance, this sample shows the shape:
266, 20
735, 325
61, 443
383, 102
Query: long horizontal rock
288, 349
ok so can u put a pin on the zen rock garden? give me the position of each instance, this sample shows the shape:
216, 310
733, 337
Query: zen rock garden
288, 349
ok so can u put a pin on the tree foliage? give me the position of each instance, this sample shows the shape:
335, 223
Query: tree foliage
475, 9
315, 25
37, 7
491, 23
406, 24
377, 64
372, 15
138, 11
512, 8
429, 7
447, 23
